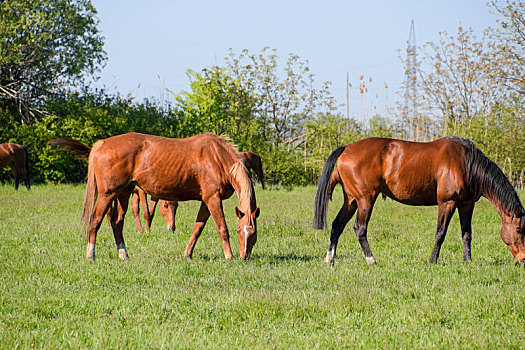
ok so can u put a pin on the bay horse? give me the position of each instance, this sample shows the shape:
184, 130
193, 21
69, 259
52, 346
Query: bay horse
15, 156
253, 161
203, 167
450, 172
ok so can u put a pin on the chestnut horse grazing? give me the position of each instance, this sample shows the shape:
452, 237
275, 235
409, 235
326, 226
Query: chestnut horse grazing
253, 161
15, 156
202, 167
168, 209
450, 172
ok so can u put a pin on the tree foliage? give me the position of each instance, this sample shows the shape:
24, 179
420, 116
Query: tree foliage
45, 46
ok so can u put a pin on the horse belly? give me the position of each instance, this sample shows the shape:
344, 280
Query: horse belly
423, 194
172, 189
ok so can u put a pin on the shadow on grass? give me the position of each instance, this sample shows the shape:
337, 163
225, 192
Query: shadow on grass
285, 257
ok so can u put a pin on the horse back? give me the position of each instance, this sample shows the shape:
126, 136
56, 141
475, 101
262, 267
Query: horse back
410, 172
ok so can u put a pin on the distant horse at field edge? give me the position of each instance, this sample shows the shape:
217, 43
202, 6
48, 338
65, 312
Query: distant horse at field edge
202, 167
253, 161
450, 172
15, 156
167, 209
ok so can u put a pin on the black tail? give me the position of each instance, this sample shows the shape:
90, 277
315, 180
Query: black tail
321, 197
27, 175
75, 147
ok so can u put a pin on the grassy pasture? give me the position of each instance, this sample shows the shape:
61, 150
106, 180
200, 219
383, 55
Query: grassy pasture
284, 297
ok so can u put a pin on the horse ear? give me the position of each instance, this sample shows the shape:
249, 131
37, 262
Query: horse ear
239, 213
256, 213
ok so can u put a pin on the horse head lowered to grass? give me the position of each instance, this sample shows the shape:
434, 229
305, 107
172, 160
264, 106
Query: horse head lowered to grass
450, 172
203, 167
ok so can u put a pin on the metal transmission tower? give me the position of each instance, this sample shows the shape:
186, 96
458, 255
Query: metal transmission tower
411, 84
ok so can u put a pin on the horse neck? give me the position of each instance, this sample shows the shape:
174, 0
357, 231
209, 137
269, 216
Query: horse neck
488, 180
505, 208
242, 184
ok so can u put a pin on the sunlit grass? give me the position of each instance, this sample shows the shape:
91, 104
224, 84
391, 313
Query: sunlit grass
284, 297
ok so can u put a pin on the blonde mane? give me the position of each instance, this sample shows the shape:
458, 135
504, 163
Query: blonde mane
241, 177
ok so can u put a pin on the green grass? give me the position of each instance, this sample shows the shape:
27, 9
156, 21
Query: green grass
284, 297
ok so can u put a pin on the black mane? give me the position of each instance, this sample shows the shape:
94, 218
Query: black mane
485, 178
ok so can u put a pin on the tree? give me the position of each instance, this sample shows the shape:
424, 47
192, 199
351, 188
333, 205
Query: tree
287, 99
456, 85
509, 58
217, 103
45, 46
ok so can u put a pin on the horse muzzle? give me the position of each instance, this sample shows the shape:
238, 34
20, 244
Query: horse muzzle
520, 259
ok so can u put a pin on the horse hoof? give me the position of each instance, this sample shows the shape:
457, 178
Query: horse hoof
370, 260
123, 254
329, 259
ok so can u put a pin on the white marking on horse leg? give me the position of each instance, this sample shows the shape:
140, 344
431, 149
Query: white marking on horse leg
90, 251
370, 260
329, 256
122, 253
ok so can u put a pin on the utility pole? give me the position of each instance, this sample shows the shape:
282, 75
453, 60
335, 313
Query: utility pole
411, 85
347, 99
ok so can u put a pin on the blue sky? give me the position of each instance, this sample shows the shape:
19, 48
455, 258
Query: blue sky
150, 45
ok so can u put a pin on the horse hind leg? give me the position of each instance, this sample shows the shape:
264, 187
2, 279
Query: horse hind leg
338, 225
101, 207
117, 223
364, 213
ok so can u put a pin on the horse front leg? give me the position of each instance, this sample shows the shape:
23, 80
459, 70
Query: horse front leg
465, 218
16, 175
200, 222
135, 209
364, 212
338, 225
445, 212
214, 205
152, 206
145, 210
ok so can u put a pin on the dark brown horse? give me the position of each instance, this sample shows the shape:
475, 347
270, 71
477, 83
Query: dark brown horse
451, 173
253, 161
202, 167
15, 156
